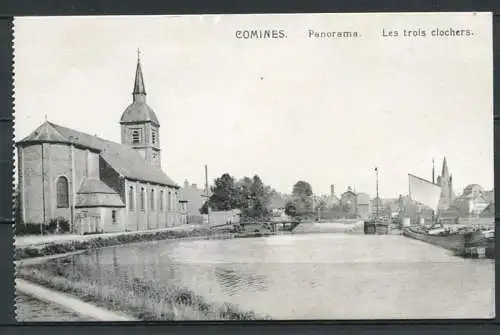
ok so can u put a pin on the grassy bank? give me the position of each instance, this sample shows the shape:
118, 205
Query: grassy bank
140, 298
104, 240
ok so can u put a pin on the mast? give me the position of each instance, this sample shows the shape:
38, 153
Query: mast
377, 198
433, 173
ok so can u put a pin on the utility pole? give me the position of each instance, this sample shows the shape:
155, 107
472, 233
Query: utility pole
207, 195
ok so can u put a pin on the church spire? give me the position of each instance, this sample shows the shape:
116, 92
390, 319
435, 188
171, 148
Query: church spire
445, 173
139, 89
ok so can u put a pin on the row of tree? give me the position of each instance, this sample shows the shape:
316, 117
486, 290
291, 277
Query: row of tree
254, 198
250, 195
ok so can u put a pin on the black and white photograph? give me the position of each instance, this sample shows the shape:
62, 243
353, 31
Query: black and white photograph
254, 167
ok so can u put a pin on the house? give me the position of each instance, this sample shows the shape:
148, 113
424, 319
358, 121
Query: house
348, 201
363, 205
194, 197
95, 184
472, 202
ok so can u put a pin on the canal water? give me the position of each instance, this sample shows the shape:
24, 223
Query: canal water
315, 276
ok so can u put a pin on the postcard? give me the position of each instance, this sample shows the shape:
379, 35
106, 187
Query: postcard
254, 167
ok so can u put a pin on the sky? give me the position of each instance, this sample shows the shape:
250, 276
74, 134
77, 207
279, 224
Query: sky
326, 111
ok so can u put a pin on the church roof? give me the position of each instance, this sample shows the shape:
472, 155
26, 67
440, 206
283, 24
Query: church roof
122, 158
98, 200
45, 133
139, 111
94, 185
444, 170
94, 192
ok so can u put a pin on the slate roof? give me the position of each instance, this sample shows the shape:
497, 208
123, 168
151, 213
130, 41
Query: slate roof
139, 111
98, 200
94, 185
194, 198
126, 161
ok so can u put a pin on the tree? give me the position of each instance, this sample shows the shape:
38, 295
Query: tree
301, 203
321, 205
250, 195
290, 209
223, 195
254, 197
259, 198
302, 197
302, 189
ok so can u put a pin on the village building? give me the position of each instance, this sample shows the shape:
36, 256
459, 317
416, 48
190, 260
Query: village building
332, 201
194, 197
348, 201
472, 201
363, 205
97, 185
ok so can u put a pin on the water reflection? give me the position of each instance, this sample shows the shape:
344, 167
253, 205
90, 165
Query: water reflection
315, 276
233, 281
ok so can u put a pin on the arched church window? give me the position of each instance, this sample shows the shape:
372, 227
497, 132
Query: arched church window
131, 198
136, 136
169, 201
62, 192
152, 200
161, 200
143, 199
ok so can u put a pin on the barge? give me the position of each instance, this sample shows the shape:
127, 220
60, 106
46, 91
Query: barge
465, 243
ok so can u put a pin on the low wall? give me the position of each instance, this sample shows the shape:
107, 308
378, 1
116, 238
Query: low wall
106, 240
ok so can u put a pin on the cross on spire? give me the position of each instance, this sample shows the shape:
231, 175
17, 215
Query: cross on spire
139, 92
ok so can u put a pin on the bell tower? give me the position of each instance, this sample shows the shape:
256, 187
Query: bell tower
139, 124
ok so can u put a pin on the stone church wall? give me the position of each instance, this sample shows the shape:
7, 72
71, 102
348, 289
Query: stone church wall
147, 218
30, 183
39, 197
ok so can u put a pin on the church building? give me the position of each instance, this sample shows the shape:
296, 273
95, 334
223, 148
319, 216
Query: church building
95, 184
445, 181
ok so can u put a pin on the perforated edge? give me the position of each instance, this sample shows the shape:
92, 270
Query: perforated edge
14, 167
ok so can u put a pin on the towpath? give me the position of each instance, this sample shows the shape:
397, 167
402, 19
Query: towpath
31, 240
73, 307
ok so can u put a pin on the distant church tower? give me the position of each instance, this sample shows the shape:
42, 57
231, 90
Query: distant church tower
446, 183
139, 124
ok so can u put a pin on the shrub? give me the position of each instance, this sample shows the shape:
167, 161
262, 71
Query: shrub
51, 227
64, 226
28, 229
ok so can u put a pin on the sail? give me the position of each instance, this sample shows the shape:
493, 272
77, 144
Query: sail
424, 191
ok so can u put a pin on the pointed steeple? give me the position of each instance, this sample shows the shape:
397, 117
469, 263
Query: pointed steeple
445, 173
139, 88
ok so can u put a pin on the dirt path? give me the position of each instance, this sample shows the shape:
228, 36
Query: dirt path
29, 309
68, 303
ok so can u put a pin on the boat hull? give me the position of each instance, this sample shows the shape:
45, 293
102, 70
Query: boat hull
471, 244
